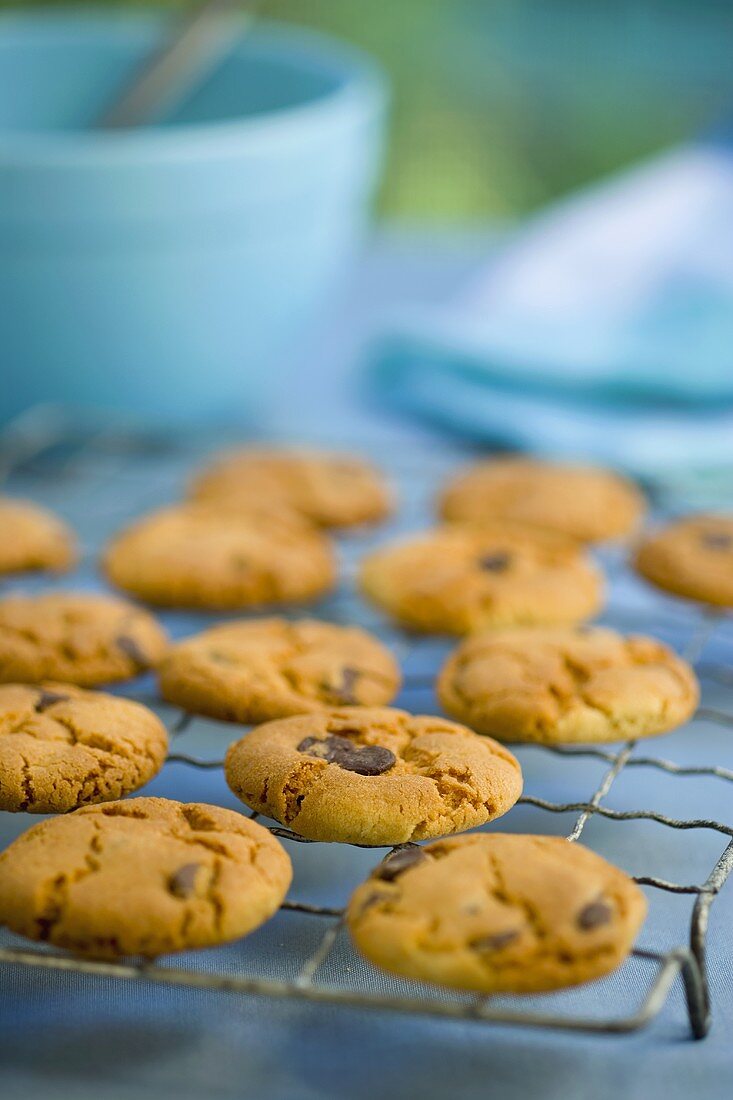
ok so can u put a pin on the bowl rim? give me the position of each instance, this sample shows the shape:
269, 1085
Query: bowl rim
361, 88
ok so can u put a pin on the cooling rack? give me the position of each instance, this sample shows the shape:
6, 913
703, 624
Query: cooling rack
102, 478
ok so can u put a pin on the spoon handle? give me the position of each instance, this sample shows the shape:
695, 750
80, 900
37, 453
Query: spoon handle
184, 57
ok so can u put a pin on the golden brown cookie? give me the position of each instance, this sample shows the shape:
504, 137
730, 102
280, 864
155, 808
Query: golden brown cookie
691, 557
561, 685
33, 538
458, 578
332, 490
497, 913
372, 776
61, 747
257, 670
142, 877
199, 556
76, 638
583, 502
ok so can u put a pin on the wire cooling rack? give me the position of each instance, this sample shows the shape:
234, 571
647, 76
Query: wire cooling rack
102, 479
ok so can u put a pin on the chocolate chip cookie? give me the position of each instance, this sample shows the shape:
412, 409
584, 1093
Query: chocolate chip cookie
583, 502
460, 578
61, 747
33, 538
497, 913
257, 670
142, 877
332, 490
76, 638
220, 558
372, 776
691, 557
564, 685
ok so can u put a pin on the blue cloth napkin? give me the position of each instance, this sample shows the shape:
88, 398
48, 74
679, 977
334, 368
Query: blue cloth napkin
602, 331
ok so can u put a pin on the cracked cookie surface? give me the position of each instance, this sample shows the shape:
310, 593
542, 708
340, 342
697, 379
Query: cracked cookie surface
62, 747
566, 685
497, 913
691, 557
372, 776
142, 877
332, 490
459, 578
258, 670
76, 638
583, 502
221, 558
33, 538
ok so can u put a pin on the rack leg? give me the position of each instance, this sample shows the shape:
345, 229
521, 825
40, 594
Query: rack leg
696, 996
698, 938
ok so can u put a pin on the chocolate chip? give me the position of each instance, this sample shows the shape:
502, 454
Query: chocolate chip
371, 900
132, 649
717, 540
495, 563
596, 913
315, 746
396, 862
344, 692
47, 699
182, 882
369, 760
218, 658
495, 942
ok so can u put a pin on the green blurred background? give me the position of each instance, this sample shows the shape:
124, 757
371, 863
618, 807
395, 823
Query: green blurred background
501, 105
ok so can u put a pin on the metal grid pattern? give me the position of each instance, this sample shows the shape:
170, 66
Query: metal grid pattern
42, 451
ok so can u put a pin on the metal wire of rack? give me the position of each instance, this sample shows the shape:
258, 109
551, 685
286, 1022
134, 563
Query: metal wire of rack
44, 432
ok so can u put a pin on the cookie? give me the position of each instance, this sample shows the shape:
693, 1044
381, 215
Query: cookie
582, 502
61, 747
198, 556
33, 538
691, 557
562, 685
372, 776
497, 913
76, 638
458, 578
255, 671
332, 490
142, 877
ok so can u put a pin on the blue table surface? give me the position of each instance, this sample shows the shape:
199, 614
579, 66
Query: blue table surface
72, 1038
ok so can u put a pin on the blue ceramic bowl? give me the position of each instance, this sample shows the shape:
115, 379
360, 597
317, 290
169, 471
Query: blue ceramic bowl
158, 271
